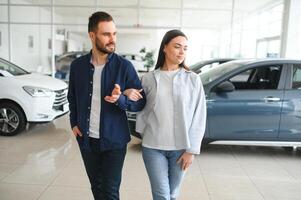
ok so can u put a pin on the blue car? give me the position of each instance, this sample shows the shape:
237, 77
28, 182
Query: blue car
252, 102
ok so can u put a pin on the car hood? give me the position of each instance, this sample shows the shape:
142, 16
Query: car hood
42, 81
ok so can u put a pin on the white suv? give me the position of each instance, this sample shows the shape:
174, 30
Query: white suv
27, 97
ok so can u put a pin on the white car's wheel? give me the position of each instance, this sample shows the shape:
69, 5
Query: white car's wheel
12, 119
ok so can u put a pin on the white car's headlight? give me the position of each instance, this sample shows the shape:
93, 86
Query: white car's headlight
38, 92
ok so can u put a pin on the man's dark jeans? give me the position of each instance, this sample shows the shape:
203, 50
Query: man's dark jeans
104, 169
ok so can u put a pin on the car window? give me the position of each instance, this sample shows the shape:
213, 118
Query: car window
242, 77
296, 77
262, 78
11, 68
196, 65
207, 67
214, 73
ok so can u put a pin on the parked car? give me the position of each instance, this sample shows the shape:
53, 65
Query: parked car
63, 62
28, 97
252, 102
204, 65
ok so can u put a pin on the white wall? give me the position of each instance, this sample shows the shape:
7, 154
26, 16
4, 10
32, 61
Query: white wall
32, 59
4, 41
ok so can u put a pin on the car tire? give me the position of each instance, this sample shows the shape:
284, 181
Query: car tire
12, 119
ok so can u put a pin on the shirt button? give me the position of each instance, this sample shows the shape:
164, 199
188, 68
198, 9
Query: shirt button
88, 119
90, 94
91, 82
89, 108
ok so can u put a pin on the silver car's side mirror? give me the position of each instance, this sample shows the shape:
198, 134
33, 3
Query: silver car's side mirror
226, 86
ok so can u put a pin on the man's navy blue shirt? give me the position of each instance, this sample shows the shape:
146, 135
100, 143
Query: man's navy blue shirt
114, 131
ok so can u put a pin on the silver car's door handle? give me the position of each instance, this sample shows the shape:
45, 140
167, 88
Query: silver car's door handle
271, 99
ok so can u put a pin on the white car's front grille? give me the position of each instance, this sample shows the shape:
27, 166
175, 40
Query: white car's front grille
60, 99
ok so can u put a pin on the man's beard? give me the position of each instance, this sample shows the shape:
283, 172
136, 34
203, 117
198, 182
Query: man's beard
104, 49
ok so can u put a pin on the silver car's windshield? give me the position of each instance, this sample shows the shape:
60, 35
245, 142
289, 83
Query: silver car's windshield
11, 68
196, 65
218, 71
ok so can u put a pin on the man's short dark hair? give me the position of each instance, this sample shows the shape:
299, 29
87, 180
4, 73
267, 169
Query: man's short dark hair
97, 17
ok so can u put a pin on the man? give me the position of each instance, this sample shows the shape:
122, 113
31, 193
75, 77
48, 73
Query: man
98, 106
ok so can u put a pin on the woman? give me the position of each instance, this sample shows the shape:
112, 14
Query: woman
172, 124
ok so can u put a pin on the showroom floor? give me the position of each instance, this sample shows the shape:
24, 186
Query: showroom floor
44, 163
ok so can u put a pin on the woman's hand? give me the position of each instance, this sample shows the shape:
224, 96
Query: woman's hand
133, 94
114, 95
186, 160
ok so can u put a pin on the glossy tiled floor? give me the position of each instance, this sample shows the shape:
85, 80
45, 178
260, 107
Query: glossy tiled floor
44, 163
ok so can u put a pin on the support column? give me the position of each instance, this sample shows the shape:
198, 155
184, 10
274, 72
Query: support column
291, 30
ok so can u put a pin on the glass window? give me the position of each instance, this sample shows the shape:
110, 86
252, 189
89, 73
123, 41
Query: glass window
268, 48
218, 72
242, 77
273, 50
3, 14
123, 16
67, 15
70, 42
34, 14
260, 78
3, 1
74, 2
31, 2
161, 4
296, 77
250, 5
207, 19
261, 51
117, 3
207, 67
208, 4
71, 39
154, 17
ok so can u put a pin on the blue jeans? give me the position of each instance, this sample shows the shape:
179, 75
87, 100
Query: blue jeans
104, 170
164, 173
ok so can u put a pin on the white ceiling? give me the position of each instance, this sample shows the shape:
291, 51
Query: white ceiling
153, 13
246, 5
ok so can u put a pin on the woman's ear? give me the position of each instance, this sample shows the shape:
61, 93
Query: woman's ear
164, 51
